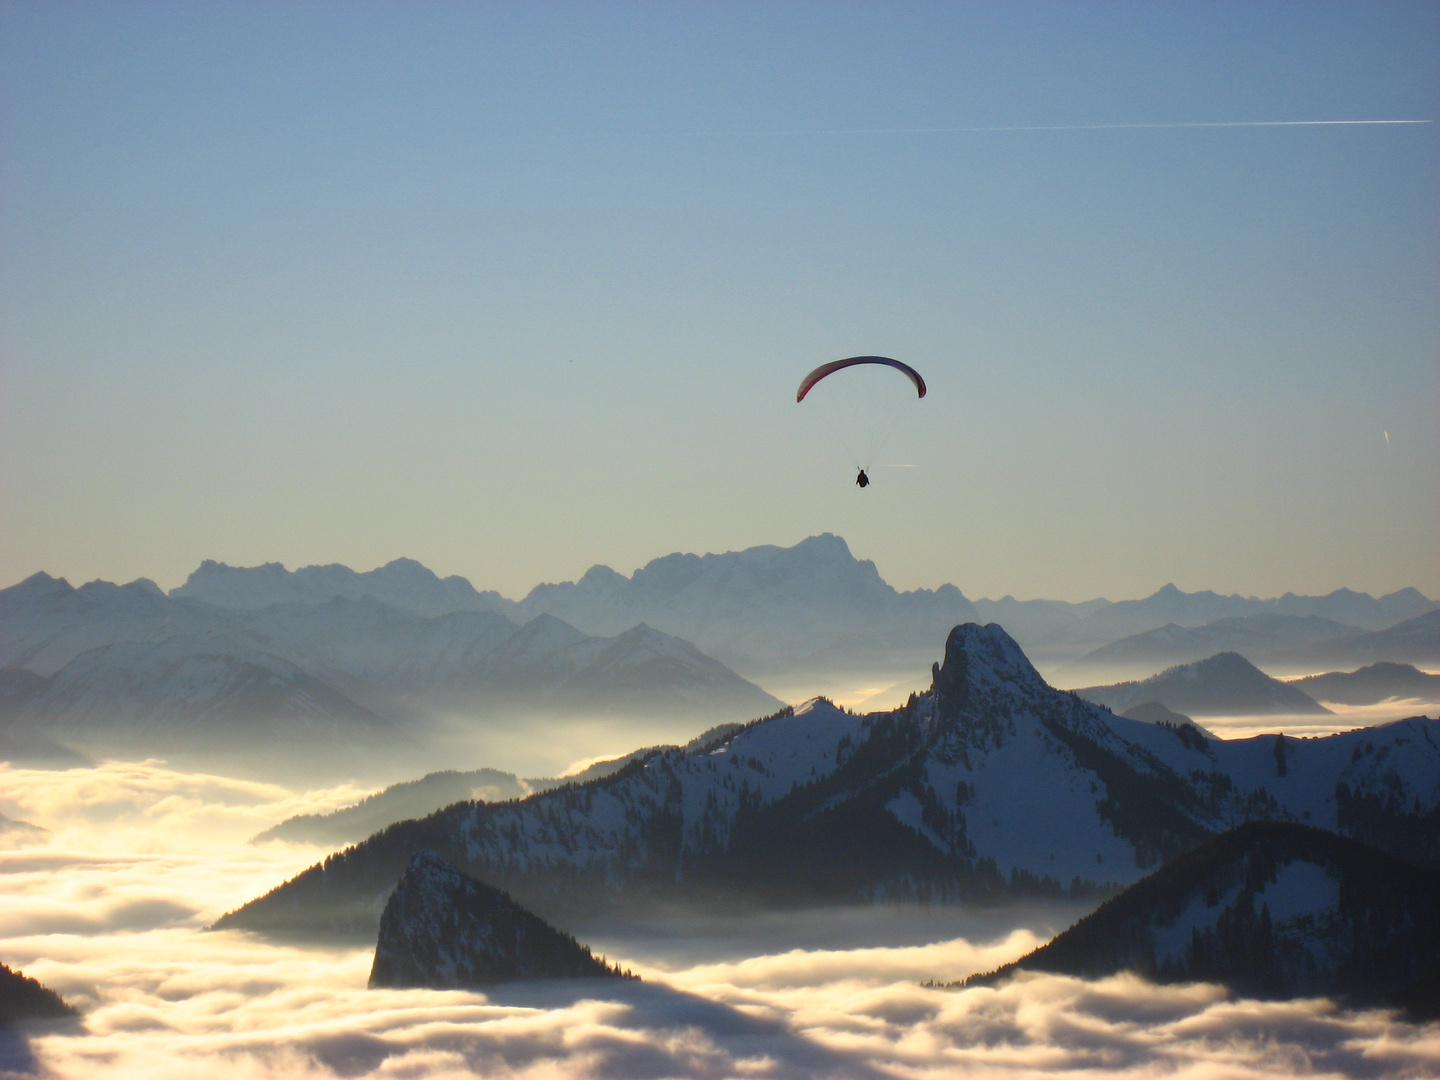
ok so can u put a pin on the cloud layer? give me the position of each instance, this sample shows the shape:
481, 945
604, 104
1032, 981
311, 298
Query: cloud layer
116, 925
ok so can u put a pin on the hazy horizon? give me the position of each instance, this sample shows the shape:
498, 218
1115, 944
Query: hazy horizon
170, 584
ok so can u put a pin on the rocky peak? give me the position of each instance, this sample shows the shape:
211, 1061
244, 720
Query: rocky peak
442, 930
37, 587
979, 662
985, 680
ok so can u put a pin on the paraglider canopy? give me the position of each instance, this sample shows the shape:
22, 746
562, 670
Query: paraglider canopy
838, 365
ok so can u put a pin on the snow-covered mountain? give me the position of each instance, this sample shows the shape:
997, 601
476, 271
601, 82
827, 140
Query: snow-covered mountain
1225, 684
813, 604
991, 783
1270, 909
441, 930
45, 622
403, 584
390, 658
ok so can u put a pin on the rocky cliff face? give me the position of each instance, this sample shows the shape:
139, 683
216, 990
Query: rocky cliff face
442, 930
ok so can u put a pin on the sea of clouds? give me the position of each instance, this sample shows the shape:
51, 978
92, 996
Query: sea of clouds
110, 910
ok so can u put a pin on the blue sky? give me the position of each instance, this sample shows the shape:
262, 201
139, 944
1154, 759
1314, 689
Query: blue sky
513, 289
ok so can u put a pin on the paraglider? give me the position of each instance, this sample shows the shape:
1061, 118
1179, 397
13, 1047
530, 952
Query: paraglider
865, 422
839, 365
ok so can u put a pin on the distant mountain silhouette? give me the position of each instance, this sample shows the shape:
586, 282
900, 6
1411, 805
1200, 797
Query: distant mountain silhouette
402, 583
1224, 685
1414, 641
1280, 642
767, 610
990, 784
1371, 685
441, 930
1270, 909
1170, 605
423, 797
1259, 638
23, 998
412, 799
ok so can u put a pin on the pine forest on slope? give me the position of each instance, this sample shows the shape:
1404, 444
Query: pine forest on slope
1270, 909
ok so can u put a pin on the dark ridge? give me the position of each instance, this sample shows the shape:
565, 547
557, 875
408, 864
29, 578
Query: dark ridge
23, 998
1385, 937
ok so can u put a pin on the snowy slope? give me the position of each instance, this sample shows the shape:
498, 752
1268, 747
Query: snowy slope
365, 641
186, 684
990, 783
45, 622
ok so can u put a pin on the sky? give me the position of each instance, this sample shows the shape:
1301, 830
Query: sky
513, 289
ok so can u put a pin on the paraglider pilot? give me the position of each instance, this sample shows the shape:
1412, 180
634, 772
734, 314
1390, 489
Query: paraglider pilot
807, 383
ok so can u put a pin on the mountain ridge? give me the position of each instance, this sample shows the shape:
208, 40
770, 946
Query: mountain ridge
992, 783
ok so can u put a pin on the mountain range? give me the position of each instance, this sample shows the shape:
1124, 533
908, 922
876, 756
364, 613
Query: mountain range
350, 663
129, 668
1283, 643
769, 610
990, 784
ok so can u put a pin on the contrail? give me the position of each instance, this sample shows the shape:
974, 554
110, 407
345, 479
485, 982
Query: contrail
997, 129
